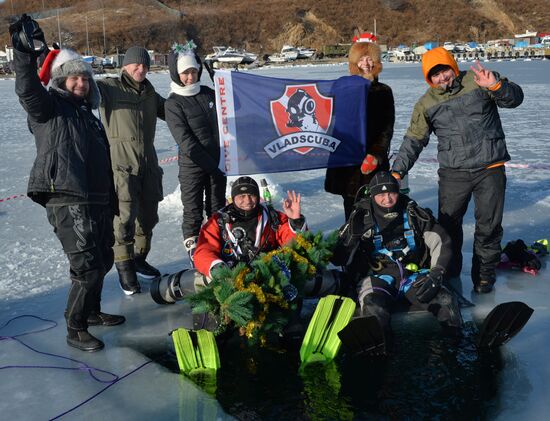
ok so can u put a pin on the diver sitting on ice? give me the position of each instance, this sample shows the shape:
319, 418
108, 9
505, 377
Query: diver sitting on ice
396, 254
238, 233
395, 251
244, 228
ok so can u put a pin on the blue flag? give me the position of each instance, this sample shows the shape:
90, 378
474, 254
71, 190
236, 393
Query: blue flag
271, 125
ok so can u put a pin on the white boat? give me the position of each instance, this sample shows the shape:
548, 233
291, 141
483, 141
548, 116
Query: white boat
419, 50
231, 55
306, 52
449, 46
290, 52
277, 58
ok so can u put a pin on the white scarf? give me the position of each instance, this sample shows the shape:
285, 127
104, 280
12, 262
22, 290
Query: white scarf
188, 90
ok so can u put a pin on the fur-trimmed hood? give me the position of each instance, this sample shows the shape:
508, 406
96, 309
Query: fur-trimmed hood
360, 49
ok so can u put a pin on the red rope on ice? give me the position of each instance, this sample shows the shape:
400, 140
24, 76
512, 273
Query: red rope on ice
15, 196
169, 159
430, 160
508, 164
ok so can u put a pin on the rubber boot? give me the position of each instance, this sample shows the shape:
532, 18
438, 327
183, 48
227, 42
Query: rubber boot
484, 277
143, 268
127, 277
83, 340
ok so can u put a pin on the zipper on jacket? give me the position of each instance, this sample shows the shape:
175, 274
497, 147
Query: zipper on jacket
53, 172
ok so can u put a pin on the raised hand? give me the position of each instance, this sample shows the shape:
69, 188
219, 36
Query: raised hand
291, 205
483, 77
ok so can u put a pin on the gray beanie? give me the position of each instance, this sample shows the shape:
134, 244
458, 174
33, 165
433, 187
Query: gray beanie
70, 63
137, 55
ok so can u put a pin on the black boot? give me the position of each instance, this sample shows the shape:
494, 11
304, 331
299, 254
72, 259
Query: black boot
127, 277
104, 319
145, 269
483, 286
83, 340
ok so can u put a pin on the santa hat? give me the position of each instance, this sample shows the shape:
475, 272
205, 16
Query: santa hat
60, 64
45, 71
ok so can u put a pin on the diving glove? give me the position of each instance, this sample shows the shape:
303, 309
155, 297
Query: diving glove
428, 285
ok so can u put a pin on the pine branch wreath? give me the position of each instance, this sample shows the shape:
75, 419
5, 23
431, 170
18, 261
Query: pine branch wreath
259, 298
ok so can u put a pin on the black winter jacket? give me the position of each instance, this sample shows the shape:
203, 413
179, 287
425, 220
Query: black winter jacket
465, 120
193, 123
72, 152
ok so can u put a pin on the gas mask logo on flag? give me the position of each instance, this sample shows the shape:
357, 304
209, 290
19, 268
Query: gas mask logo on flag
302, 118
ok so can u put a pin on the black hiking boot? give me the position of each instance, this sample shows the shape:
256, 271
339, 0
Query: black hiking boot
145, 269
104, 319
83, 340
127, 277
483, 286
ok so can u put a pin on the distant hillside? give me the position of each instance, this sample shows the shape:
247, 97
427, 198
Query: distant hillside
263, 26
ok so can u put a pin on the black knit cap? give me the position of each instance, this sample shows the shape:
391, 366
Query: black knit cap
244, 185
383, 182
137, 55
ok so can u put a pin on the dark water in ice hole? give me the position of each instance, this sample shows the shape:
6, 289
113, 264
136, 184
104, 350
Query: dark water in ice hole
428, 376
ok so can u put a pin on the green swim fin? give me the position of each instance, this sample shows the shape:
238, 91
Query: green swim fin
321, 341
503, 323
364, 336
196, 351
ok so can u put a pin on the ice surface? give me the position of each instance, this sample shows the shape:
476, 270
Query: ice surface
34, 271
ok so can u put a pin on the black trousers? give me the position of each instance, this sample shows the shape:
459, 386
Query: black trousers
380, 299
488, 187
200, 193
86, 234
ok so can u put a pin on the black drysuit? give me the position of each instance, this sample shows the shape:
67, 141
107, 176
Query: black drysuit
384, 256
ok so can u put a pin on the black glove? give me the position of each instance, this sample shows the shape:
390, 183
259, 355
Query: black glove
517, 253
27, 37
428, 284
